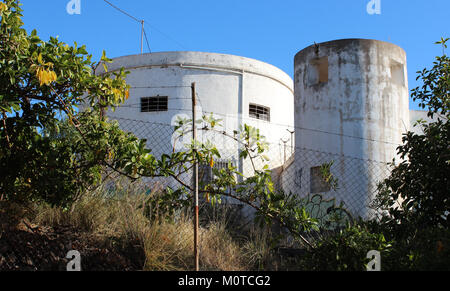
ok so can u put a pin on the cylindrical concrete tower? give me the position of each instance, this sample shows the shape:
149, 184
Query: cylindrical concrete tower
235, 89
351, 101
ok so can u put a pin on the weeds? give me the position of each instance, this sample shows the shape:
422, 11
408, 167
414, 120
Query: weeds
115, 217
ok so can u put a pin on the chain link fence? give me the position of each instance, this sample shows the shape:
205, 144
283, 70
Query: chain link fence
294, 170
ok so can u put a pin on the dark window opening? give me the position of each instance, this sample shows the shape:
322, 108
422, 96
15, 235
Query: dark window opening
154, 104
205, 171
317, 182
259, 112
205, 174
318, 71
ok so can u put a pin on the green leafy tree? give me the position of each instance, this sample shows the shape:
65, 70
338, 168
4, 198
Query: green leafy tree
414, 234
347, 250
52, 152
417, 191
256, 191
40, 82
416, 195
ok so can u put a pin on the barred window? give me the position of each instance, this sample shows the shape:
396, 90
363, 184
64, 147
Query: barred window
154, 104
205, 173
259, 112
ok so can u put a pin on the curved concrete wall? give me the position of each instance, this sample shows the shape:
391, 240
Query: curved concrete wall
363, 99
350, 107
225, 85
351, 98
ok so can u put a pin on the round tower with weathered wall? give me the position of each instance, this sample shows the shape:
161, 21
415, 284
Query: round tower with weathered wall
351, 107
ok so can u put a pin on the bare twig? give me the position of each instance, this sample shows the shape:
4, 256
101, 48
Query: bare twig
6, 130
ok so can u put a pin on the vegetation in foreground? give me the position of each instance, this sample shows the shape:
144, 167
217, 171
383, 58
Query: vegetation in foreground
49, 168
117, 233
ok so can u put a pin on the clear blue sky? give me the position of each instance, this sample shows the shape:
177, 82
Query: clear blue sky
268, 30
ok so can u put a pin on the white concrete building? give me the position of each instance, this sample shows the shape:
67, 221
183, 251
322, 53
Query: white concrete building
236, 89
350, 106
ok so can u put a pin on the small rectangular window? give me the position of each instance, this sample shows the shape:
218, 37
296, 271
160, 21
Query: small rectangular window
205, 172
398, 73
154, 104
318, 71
317, 183
259, 112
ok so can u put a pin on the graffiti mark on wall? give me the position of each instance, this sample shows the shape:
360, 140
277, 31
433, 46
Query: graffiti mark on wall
326, 212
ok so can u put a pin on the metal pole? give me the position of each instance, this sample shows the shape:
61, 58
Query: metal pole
292, 140
194, 138
142, 37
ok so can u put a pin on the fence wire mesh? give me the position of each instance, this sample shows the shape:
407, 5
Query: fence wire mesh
294, 170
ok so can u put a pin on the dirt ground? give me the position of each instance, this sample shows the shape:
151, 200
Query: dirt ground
27, 247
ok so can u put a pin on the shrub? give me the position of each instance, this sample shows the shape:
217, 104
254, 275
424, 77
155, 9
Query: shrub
346, 250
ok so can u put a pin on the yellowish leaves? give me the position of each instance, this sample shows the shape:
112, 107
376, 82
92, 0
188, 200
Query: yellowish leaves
104, 59
119, 93
40, 61
45, 76
270, 186
3, 7
44, 72
211, 164
116, 92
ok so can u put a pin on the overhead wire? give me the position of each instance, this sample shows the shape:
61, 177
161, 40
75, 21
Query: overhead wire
267, 142
199, 99
137, 105
145, 22
122, 11
146, 40
159, 87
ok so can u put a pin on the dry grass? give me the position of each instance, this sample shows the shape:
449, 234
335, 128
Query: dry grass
219, 251
257, 249
168, 245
